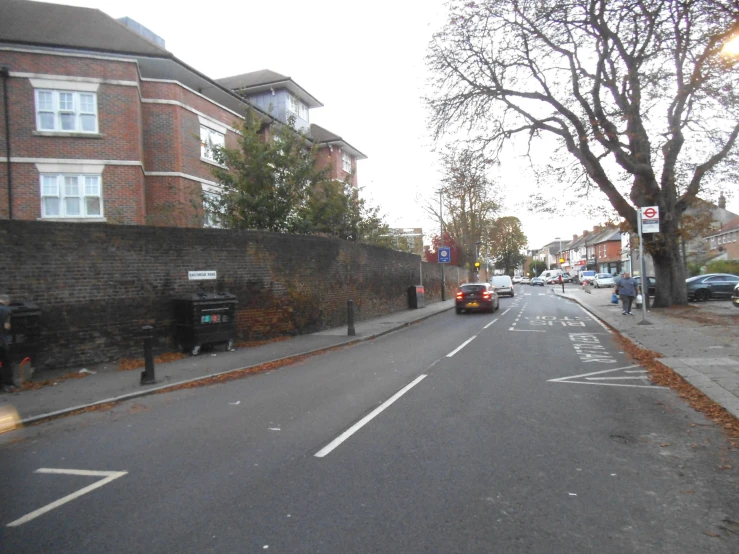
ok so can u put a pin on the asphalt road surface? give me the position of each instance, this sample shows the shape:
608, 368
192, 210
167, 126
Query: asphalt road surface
526, 430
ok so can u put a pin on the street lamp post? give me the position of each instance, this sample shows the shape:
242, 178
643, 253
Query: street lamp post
560, 251
441, 240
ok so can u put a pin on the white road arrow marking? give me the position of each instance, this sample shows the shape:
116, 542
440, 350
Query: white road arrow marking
108, 476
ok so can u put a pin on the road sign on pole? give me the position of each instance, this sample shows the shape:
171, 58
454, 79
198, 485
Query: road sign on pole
644, 280
649, 219
445, 254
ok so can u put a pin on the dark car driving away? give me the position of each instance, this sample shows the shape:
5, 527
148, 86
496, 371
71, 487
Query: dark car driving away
476, 297
713, 285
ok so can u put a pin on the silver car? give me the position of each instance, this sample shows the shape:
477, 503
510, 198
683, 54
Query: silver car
604, 280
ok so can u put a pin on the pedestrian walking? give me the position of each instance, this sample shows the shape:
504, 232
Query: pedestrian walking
6, 366
627, 289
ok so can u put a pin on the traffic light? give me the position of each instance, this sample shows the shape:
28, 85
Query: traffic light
477, 267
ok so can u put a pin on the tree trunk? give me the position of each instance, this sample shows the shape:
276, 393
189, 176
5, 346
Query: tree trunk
668, 267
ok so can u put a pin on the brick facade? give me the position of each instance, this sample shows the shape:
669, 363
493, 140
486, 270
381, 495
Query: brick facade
97, 284
146, 128
331, 157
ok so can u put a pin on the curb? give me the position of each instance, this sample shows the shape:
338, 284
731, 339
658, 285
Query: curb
153, 390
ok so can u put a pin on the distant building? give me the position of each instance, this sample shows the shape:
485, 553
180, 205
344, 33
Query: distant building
724, 244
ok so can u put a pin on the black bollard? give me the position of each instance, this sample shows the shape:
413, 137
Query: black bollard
350, 317
147, 376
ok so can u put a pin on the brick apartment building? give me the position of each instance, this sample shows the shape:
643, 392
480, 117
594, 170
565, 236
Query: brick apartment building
109, 126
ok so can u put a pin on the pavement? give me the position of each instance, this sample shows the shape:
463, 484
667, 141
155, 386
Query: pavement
704, 352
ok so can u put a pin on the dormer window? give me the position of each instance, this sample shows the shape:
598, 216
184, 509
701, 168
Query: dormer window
297, 108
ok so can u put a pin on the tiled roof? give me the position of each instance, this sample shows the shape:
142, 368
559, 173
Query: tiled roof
252, 79
43, 24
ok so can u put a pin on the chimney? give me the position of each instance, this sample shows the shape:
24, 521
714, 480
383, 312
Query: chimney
585, 233
722, 201
574, 238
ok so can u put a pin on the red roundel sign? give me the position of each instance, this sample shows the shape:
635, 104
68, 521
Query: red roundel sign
650, 213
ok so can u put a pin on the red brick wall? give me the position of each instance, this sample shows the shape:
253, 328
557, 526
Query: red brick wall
164, 137
333, 159
174, 202
120, 136
608, 251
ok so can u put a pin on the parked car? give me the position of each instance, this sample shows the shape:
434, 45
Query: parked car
566, 277
537, 281
712, 285
652, 284
503, 285
735, 296
525, 280
604, 280
476, 297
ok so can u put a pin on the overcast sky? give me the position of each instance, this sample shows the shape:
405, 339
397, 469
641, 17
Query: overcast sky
364, 60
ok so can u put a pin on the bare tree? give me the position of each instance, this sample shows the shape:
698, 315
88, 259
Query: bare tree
468, 200
636, 94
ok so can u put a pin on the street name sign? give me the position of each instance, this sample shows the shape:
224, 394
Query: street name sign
650, 219
201, 275
445, 254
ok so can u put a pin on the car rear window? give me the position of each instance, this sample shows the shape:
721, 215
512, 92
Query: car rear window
502, 281
473, 288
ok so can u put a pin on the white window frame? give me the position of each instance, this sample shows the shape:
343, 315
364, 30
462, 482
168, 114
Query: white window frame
346, 160
207, 134
208, 216
56, 110
297, 107
83, 182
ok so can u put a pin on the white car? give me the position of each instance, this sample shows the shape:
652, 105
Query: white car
516, 280
604, 280
525, 280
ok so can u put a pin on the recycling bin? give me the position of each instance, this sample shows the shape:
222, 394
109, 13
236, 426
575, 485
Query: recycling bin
25, 331
416, 297
205, 318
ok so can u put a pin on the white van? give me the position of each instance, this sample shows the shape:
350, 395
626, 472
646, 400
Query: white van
586, 275
503, 285
549, 273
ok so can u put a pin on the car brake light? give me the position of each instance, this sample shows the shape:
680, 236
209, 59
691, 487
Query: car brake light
460, 295
486, 295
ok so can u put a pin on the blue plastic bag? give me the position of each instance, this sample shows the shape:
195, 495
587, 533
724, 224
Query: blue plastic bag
614, 298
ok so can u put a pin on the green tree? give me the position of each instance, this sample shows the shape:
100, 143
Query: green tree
537, 266
266, 182
636, 94
505, 243
272, 182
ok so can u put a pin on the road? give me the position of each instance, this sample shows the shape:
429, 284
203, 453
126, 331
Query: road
524, 431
